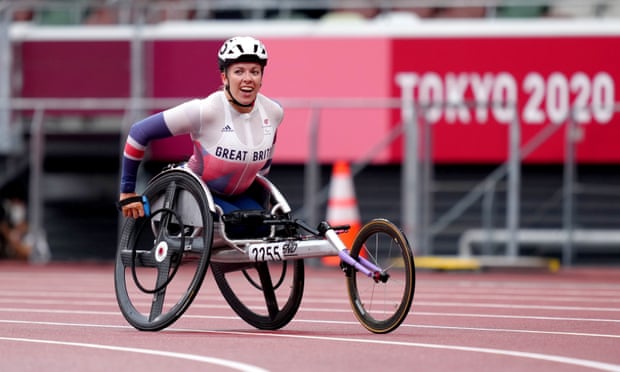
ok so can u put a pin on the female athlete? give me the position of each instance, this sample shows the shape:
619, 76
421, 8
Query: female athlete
233, 131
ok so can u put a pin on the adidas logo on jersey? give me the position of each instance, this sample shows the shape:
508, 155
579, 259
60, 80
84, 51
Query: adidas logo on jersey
227, 128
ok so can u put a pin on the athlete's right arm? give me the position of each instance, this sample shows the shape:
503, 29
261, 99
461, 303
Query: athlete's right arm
140, 134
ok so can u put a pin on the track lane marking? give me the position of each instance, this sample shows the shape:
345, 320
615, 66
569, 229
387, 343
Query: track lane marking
525, 317
309, 310
516, 306
520, 354
537, 356
160, 353
417, 303
310, 321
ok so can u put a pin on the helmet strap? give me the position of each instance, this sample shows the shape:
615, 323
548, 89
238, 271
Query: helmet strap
233, 100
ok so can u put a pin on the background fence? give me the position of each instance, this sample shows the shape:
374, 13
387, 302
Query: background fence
403, 130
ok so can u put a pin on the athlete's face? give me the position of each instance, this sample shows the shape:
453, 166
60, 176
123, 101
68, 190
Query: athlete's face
244, 80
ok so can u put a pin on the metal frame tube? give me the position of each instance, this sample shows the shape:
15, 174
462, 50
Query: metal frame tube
5, 80
311, 172
514, 186
568, 207
40, 250
410, 168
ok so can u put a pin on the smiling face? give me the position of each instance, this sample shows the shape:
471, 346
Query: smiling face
244, 80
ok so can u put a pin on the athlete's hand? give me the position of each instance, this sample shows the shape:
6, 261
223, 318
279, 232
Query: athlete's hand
133, 210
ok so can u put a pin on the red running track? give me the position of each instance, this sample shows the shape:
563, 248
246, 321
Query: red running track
64, 317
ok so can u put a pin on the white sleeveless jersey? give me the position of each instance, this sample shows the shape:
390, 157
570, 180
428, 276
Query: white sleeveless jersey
230, 148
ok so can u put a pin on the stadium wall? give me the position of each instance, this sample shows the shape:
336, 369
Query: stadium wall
471, 77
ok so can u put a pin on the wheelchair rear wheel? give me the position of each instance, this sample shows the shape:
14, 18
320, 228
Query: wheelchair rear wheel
382, 306
162, 259
265, 295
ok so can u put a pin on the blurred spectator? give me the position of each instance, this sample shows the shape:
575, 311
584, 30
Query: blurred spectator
419, 12
461, 12
310, 13
65, 12
586, 9
522, 11
155, 12
344, 10
110, 12
444, 12
612, 9
102, 15
560, 10
14, 240
169, 10
23, 15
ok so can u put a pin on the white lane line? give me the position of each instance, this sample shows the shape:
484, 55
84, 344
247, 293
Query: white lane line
537, 356
160, 353
58, 311
509, 283
524, 317
477, 329
48, 294
64, 324
51, 300
318, 310
515, 306
312, 321
15, 296
517, 297
416, 303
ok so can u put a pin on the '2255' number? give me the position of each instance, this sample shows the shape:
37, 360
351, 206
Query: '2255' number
266, 252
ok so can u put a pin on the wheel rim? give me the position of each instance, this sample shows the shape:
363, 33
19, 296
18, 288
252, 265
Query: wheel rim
381, 307
177, 273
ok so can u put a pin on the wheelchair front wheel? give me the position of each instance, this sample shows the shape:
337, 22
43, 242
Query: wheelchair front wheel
382, 306
161, 260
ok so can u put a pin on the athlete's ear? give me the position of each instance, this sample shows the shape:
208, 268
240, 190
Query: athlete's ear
224, 79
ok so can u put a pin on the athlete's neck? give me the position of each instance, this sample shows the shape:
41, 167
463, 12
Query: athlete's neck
240, 107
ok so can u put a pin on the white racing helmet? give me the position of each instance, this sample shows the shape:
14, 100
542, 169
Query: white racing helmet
241, 49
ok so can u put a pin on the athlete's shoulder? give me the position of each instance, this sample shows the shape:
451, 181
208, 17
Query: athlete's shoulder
264, 100
273, 107
212, 105
183, 117
192, 104
214, 99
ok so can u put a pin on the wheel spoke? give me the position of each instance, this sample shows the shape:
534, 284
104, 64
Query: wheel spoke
142, 259
268, 291
281, 284
163, 272
169, 197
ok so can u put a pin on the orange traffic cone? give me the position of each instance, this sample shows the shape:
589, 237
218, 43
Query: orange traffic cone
342, 207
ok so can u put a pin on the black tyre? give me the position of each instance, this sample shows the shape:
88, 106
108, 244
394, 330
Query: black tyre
162, 259
266, 295
381, 306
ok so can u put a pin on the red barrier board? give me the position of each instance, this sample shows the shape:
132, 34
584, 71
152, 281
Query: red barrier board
74, 69
547, 76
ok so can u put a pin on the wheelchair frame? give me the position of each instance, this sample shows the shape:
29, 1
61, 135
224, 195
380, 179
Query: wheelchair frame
176, 195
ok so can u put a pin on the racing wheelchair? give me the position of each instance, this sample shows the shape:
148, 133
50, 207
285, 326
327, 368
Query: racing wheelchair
162, 258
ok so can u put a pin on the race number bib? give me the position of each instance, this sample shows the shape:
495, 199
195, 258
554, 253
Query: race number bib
272, 251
